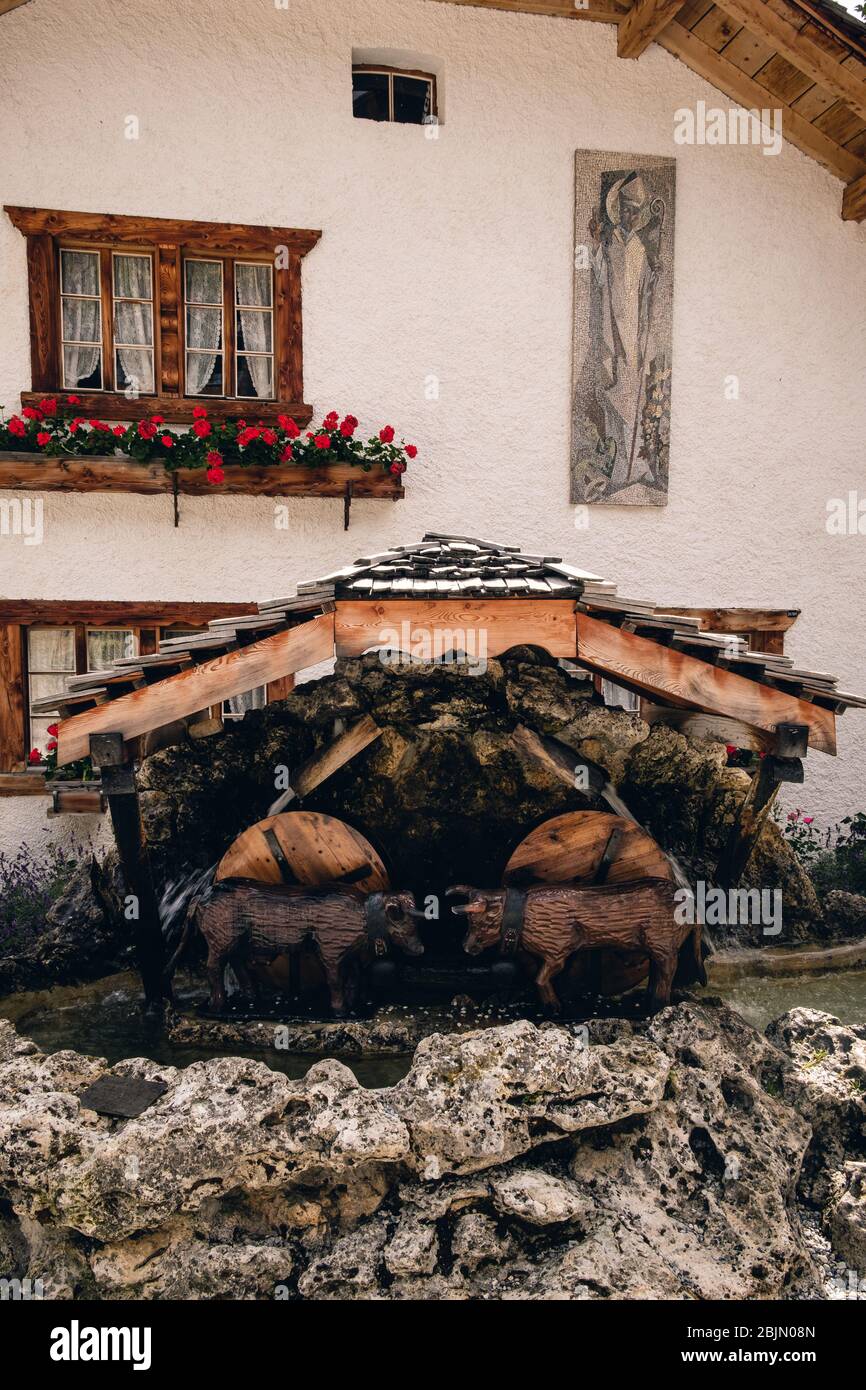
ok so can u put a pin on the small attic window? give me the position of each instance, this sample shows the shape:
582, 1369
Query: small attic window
393, 94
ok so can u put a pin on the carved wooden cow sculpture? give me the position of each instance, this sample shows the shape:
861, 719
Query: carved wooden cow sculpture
553, 921
243, 920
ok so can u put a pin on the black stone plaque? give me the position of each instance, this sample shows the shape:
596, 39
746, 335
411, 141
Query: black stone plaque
121, 1095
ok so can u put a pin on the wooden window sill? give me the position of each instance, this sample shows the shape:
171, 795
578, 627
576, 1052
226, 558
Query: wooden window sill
109, 405
24, 784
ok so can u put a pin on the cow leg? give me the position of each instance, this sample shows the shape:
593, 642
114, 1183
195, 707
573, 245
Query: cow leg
248, 984
332, 964
663, 966
216, 963
550, 968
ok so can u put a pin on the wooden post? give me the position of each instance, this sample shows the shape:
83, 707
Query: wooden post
118, 783
773, 770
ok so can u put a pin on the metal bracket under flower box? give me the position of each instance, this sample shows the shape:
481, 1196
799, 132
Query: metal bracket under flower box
119, 473
76, 799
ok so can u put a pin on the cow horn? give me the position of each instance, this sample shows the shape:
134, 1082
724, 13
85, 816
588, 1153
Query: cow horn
468, 909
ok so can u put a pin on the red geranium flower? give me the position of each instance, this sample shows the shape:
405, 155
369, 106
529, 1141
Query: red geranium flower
387, 434
215, 475
34, 756
48, 406
31, 413
730, 749
411, 451
146, 429
286, 423
201, 428
17, 427
75, 424
268, 437
287, 454
73, 400
158, 419
166, 440
199, 412
43, 438
54, 730
322, 441
214, 460
347, 428
119, 430
330, 420
51, 745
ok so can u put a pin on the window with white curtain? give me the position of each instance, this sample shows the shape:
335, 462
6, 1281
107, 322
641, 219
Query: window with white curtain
81, 319
132, 281
50, 659
229, 354
237, 706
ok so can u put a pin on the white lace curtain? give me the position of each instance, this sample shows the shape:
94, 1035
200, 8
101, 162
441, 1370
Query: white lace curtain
133, 322
253, 287
237, 706
82, 324
204, 326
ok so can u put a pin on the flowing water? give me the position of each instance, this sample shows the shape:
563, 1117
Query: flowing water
842, 993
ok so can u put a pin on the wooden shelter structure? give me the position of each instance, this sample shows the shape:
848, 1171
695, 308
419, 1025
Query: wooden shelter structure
451, 593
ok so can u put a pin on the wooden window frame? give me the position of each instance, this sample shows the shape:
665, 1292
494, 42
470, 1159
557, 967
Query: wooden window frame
391, 73
169, 241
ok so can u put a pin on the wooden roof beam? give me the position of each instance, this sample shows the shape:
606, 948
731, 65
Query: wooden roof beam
854, 200
672, 677
200, 686
722, 73
644, 21
781, 26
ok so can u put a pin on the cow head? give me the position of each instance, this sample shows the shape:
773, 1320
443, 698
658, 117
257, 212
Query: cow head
483, 910
400, 917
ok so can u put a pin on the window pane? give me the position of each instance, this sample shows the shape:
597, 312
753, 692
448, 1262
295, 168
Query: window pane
370, 100
134, 370
42, 686
412, 100
256, 377
51, 649
79, 272
254, 330
252, 284
82, 367
132, 277
204, 328
237, 706
107, 644
133, 323
204, 374
82, 321
204, 282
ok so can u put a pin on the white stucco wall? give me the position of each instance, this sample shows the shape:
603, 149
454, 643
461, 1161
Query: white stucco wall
453, 257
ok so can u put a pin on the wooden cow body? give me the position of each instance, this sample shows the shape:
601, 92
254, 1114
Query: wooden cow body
553, 921
244, 921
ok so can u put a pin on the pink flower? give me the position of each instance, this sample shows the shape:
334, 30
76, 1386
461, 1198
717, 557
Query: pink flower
807, 820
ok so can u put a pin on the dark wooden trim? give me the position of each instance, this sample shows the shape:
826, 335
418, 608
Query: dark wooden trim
167, 241
101, 473
221, 238
12, 703
23, 784
109, 405
42, 274
64, 612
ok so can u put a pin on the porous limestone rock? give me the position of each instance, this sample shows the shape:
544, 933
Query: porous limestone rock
846, 1215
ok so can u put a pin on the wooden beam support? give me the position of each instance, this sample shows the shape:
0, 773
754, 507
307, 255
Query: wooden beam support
200, 686
728, 78
328, 760
682, 680
480, 627
781, 25
644, 21
107, 752
854, 200
12, 711
746, 830
737, 620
